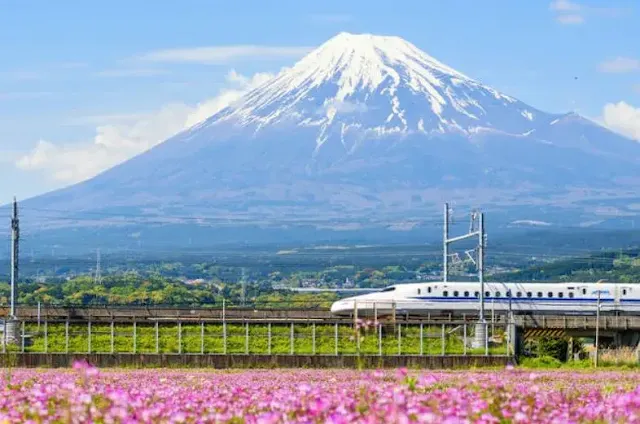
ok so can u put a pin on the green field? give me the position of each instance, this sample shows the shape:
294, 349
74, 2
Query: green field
262, 339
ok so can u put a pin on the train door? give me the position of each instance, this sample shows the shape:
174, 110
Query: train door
616, 299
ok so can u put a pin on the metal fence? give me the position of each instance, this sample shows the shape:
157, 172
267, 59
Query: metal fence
272, 338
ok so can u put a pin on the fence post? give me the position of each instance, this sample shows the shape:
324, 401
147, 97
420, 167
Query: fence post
313, 338
399, 339
379, 340
157, 331
246, 338
113, 337
179, 337
201, 337
421, 339
464, 338
444, 341
4, 336
46, 335
22, 342
486, 339
224, 337
89, 336
269, 338
336, 338
135, 337
292, 340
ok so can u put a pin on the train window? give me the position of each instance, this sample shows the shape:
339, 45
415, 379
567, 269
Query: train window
455, 293
477, 294
584, 291
428, 289
550, 294
539, 294
498, 294
508, 293
419, 291
445, 293
486, 294
466, 294
519, 294
388, 289
529, 294
560, 294
624, 292
571, 294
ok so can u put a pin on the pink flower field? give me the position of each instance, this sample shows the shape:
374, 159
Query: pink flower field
86, 394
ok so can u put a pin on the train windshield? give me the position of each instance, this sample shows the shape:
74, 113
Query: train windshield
388, 289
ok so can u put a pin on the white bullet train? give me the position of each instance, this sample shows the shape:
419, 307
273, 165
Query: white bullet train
521, 298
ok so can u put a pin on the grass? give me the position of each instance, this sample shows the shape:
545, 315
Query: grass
262, 339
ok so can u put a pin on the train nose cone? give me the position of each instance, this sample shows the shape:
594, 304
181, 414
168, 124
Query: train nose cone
341, 306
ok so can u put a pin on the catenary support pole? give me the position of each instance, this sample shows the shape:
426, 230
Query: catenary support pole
89, 336
445, 245
113, 336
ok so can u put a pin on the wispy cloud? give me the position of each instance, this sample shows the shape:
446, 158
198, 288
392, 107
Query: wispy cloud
222, 54
21, 75
124, 73
570, 19
119, 137
572, 13
620, 65
24, 95
331, 18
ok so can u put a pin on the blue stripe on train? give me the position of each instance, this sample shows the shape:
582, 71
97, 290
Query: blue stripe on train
522, 299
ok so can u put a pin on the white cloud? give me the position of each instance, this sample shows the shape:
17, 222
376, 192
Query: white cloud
222, 54
620, 65
564, 6
117, 73
623, 118
128, 135
571, 13
570, 19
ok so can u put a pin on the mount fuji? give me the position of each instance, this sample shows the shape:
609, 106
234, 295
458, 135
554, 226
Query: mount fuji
367, 131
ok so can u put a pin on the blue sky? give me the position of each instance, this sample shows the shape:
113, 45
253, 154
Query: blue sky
125, 74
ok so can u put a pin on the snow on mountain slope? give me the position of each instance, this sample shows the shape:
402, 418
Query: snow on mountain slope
378, 84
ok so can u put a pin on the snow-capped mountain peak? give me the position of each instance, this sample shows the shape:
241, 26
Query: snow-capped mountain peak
379, 85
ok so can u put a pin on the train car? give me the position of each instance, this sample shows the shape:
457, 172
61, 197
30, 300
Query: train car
520, 298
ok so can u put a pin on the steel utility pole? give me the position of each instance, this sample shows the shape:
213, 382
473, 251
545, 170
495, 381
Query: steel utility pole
599, 292
15, 249
445, 245
97, 276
